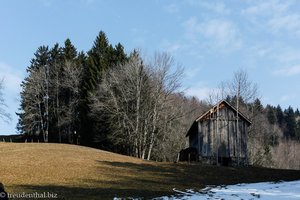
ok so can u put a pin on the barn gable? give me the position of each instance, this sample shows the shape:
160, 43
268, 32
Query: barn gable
219, 106
219, 135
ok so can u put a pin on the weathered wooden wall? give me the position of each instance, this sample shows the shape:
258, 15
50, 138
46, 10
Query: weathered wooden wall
220, 135
217, 135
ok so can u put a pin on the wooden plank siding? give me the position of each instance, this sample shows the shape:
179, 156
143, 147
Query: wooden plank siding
214, 134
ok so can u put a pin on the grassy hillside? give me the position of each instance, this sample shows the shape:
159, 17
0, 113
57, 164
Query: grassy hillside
75, 172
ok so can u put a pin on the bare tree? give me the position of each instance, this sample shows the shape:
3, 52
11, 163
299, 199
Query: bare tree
137, 97
36, 97
70, 85
218, 94
286, 154
3, 114
120, 97
242, 87
56, 90
244, 92
239, 88
178, 119
164, 84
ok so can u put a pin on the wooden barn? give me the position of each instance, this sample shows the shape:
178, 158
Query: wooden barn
216, 137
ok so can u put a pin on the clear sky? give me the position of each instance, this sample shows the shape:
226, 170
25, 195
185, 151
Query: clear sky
211, 39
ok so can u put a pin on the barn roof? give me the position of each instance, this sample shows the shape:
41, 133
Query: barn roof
219, 105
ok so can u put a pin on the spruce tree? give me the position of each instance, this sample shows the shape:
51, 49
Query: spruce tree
100, 58
92, 73
271, 114
298, 131
290, 123
119, 54
41, 58
297, 113
279, 116
69, 51
258, 106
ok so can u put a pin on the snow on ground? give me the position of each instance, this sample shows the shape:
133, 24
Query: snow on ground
254, 191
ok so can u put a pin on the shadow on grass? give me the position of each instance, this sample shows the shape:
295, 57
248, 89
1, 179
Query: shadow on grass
164, 176
76, 193
149, 180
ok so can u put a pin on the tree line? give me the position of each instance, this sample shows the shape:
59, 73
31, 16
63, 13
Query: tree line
273, 135
107, 99
288, 120
55, 93
134, 105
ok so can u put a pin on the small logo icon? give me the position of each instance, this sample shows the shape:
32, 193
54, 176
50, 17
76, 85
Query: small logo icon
2, 195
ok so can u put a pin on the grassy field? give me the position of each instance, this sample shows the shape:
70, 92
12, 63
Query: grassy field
75, 172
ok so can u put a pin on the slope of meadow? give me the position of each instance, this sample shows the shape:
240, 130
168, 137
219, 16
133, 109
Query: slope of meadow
76, 172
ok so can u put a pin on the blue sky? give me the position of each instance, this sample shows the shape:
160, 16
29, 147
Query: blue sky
210, 39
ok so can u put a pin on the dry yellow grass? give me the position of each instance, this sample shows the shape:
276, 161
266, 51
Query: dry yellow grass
76, 172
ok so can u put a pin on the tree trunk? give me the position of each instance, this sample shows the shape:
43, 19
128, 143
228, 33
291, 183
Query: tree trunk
144, 140
42, 123
47, 103
57, 108
138, 102
153, 132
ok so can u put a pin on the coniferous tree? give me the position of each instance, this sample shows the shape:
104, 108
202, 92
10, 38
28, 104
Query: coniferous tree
100, 58
69, 51
279, 116
271, 114
297, 113
93, 70
257, 105
290, 123
98, 61
119, 55
41, 58
298, 130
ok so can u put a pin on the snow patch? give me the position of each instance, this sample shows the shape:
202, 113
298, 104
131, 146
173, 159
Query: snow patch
262, 191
